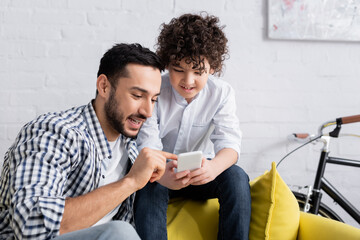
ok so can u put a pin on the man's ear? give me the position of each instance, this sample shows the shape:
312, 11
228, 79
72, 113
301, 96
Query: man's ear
103, 86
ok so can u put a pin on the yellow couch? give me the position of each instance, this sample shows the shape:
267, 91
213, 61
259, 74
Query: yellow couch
275, 215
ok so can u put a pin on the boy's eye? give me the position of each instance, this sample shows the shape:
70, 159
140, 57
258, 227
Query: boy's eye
177, 70
154, 100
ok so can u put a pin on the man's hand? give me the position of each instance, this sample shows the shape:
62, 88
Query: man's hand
173, 180
85, 210
149, 166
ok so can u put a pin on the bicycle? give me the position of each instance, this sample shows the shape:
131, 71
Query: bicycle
311, 202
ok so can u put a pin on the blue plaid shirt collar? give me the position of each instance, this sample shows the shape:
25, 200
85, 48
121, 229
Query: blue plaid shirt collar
96, 132
100, 139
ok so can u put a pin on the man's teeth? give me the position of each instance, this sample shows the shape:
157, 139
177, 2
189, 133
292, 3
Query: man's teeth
188, 88
135, 121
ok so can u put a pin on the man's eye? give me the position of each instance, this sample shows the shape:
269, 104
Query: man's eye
177, 70
154, 100
136, 96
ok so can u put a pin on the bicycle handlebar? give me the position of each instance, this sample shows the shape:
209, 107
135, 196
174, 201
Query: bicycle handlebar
338, 122
334, 133
307, 138
301, 135
349, 119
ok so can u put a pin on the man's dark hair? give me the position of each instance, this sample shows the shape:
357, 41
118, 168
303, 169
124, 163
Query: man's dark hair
193, 37
113, 63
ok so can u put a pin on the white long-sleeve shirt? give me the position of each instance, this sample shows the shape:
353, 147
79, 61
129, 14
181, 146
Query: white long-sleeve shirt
208, 123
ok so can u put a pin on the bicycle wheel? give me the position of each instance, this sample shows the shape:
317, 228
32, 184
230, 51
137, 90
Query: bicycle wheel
324, 210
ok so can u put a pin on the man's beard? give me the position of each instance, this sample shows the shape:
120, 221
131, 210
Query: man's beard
116, 119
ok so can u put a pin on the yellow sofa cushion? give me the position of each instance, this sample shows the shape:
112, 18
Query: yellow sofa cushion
189, 219
274, 210
274, 213
319, 228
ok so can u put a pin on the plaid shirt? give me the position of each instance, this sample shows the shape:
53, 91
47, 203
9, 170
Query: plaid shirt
58, 155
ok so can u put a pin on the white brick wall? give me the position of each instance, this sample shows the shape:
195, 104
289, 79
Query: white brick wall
50, 51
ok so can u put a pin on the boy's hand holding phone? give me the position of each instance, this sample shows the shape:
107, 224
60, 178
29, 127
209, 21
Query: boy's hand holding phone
205, 174
201, 170
177, 173
189, 161
174, 180
190, 169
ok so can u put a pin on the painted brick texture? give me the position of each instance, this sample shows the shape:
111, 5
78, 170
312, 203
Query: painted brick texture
50, 51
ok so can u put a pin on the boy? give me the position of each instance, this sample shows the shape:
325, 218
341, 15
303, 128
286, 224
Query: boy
195, 112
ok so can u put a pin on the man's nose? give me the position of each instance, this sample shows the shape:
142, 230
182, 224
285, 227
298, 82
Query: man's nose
146, 108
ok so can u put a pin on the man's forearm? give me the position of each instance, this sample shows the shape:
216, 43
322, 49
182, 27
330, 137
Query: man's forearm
84, 211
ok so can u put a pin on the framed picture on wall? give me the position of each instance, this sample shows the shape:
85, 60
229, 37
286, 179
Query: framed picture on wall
337, 20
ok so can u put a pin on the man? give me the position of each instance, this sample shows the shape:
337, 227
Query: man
71, 173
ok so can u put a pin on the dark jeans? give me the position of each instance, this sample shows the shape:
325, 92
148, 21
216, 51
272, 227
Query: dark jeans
231, 188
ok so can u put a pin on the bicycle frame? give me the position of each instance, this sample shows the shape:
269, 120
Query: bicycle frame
322, 184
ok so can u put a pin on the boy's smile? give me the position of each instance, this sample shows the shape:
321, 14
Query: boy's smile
186, 80
187, 89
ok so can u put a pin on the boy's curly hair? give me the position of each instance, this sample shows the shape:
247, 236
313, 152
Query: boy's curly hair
193, 37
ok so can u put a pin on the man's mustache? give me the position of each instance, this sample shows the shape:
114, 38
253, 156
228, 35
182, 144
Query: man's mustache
139, 116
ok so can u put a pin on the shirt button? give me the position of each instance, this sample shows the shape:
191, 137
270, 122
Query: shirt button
109, 157
103, 176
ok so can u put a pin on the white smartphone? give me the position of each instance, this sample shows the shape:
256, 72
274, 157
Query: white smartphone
189, 161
